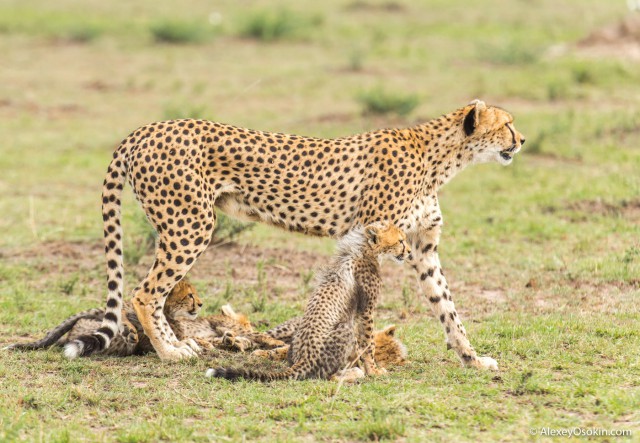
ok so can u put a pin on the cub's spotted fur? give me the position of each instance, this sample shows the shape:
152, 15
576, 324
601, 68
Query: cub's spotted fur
182, 171
227, 330
389, 351
182, 303
325, 341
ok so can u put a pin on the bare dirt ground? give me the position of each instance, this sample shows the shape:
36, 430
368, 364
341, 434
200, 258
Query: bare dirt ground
617, 40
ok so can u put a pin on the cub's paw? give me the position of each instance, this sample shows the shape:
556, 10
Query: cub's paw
130, 335
204, 344
243, 344
376, 370
350, 375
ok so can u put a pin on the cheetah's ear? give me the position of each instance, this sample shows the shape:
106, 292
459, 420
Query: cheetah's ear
228, 311
390, 330
371, 232
472, 119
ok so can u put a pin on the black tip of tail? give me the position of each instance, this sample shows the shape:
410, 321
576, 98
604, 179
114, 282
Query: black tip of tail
227, 373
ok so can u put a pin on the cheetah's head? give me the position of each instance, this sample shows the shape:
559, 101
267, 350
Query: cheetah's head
490, 133
183, 301
387, 240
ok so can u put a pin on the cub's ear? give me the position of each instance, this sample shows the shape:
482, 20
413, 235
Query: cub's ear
390, 330
371, 233
472, 119
228, 311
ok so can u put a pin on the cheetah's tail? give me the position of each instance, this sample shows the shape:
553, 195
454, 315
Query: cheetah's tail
56, 333
100, 339
236, 373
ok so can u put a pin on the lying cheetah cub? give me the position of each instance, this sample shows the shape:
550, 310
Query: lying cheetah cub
389, 351
182, 303
227, 330
344, 300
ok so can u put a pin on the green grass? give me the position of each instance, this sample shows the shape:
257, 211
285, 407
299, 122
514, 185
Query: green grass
179, 32
542, 257
270, 25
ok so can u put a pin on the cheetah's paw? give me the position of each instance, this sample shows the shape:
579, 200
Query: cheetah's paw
486, 363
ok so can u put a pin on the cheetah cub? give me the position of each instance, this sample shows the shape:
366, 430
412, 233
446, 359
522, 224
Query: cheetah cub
228, 329
389, 350
181, 304
337, 326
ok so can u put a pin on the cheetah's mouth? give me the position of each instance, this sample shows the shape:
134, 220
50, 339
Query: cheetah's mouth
507, 154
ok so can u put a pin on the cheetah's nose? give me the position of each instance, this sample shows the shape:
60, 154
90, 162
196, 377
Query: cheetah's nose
522, 140
410, 256
199, 305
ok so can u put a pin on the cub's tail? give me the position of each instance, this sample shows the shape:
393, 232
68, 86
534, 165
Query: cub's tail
293, 372
59, 331
111, 215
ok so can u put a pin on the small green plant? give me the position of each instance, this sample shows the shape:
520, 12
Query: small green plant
82, 33
228, 229
583, 75
306, 277
179, 32
408, 297
258, 299
66, 286
270, 25
356, 60
513, 53
380, 101
228, 290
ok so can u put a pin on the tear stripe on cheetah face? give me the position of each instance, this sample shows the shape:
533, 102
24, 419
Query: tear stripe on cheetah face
182, 170
338, 321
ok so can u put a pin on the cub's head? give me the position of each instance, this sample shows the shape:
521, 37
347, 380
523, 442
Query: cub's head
490, 133
389, 350
183, 301
386, 239
241, 320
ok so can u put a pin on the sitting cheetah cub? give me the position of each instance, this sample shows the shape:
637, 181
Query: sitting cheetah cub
343, 300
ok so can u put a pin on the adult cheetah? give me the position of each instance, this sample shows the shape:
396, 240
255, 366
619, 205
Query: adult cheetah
182, 170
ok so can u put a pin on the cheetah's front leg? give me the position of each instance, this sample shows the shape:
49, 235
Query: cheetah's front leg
435, 288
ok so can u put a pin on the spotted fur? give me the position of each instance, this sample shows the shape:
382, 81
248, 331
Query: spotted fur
226, 330
337, 326
389, 350
182, 170
183, 302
